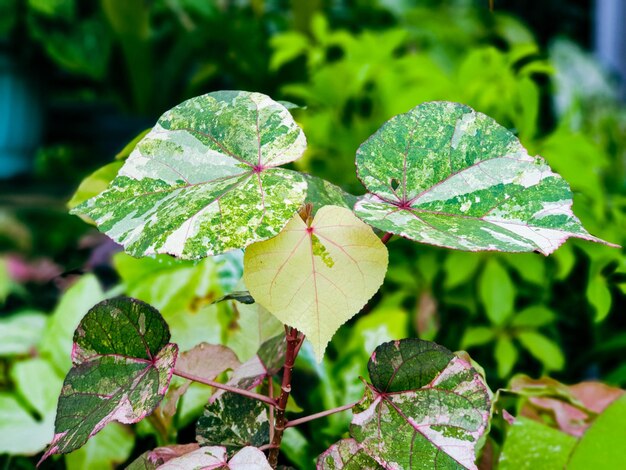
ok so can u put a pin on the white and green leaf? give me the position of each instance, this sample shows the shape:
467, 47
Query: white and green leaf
205, 179
446, 175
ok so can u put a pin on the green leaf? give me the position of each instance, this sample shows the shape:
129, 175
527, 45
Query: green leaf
315, 278
533, 317
602, 446
346, 454
56, 343
497, 292
248, 458
530, 445
205, 180
20, 432
109, 447
446, 175
123, 364
460, 268
506, 356
424, 405
38, 384
477, 336
599, 296
543, 349
321, 193
233, 421
20, 332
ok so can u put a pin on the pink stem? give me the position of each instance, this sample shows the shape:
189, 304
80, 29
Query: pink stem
321, 414
385, 238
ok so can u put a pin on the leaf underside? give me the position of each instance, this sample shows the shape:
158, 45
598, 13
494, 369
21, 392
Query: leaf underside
446, 175
426, 408
122, 366
316, 278
248, 458
205, 179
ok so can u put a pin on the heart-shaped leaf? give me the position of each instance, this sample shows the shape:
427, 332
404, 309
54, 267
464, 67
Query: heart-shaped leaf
123, 364
205, 180
425, 408
315, 278
446, 175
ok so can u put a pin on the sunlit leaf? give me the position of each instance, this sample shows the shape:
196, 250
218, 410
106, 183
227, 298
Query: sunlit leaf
315, 278
506, 356
205, 180
94, 184
122, 367
425, 408
346, 454
446, 175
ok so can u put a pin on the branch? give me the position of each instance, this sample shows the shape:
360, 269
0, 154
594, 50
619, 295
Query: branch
385, 238
321, 414
228, 388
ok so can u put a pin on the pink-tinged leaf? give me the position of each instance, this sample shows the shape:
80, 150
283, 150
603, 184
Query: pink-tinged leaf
153, 459
572, 407
123, 364
346, 454
425, 408
208, 458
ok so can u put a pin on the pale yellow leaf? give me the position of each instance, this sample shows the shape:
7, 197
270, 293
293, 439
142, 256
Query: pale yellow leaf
316, 278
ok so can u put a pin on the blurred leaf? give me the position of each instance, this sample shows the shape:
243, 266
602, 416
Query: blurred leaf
543, 349
602, 446
427, 321
56, 343
37, 382
123, 364
296, 447
530, 266
409, 377
460, 268
506, 356
20, 433
130, 146
207, 360
110, 447
599, 296
497, 292
21, 332
533, 317
534, 446
477, 336
216, 457
56, 9
287, 47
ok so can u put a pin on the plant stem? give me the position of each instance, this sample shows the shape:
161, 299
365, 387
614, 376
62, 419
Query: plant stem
321, 414
294, 342
270, 383
228, 388
385, 238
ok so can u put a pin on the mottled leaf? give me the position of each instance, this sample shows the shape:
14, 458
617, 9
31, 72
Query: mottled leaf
122, 367
315, 278
94, 184
248, 458
110, 447
446, 175
153, 459
346, 454
534, 446
321, 193
233, 421
425, 408
205, 180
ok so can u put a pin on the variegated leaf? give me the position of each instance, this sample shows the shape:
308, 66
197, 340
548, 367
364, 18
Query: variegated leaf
425, 408
122, 366
205, 179
346, 454
446, 175
316, 277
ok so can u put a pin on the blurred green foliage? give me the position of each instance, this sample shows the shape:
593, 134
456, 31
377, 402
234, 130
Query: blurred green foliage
352, 68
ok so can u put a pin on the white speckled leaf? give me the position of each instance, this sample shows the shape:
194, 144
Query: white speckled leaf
446, 175
346, 454
122, 366
205, 179
426, 408
315, 278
